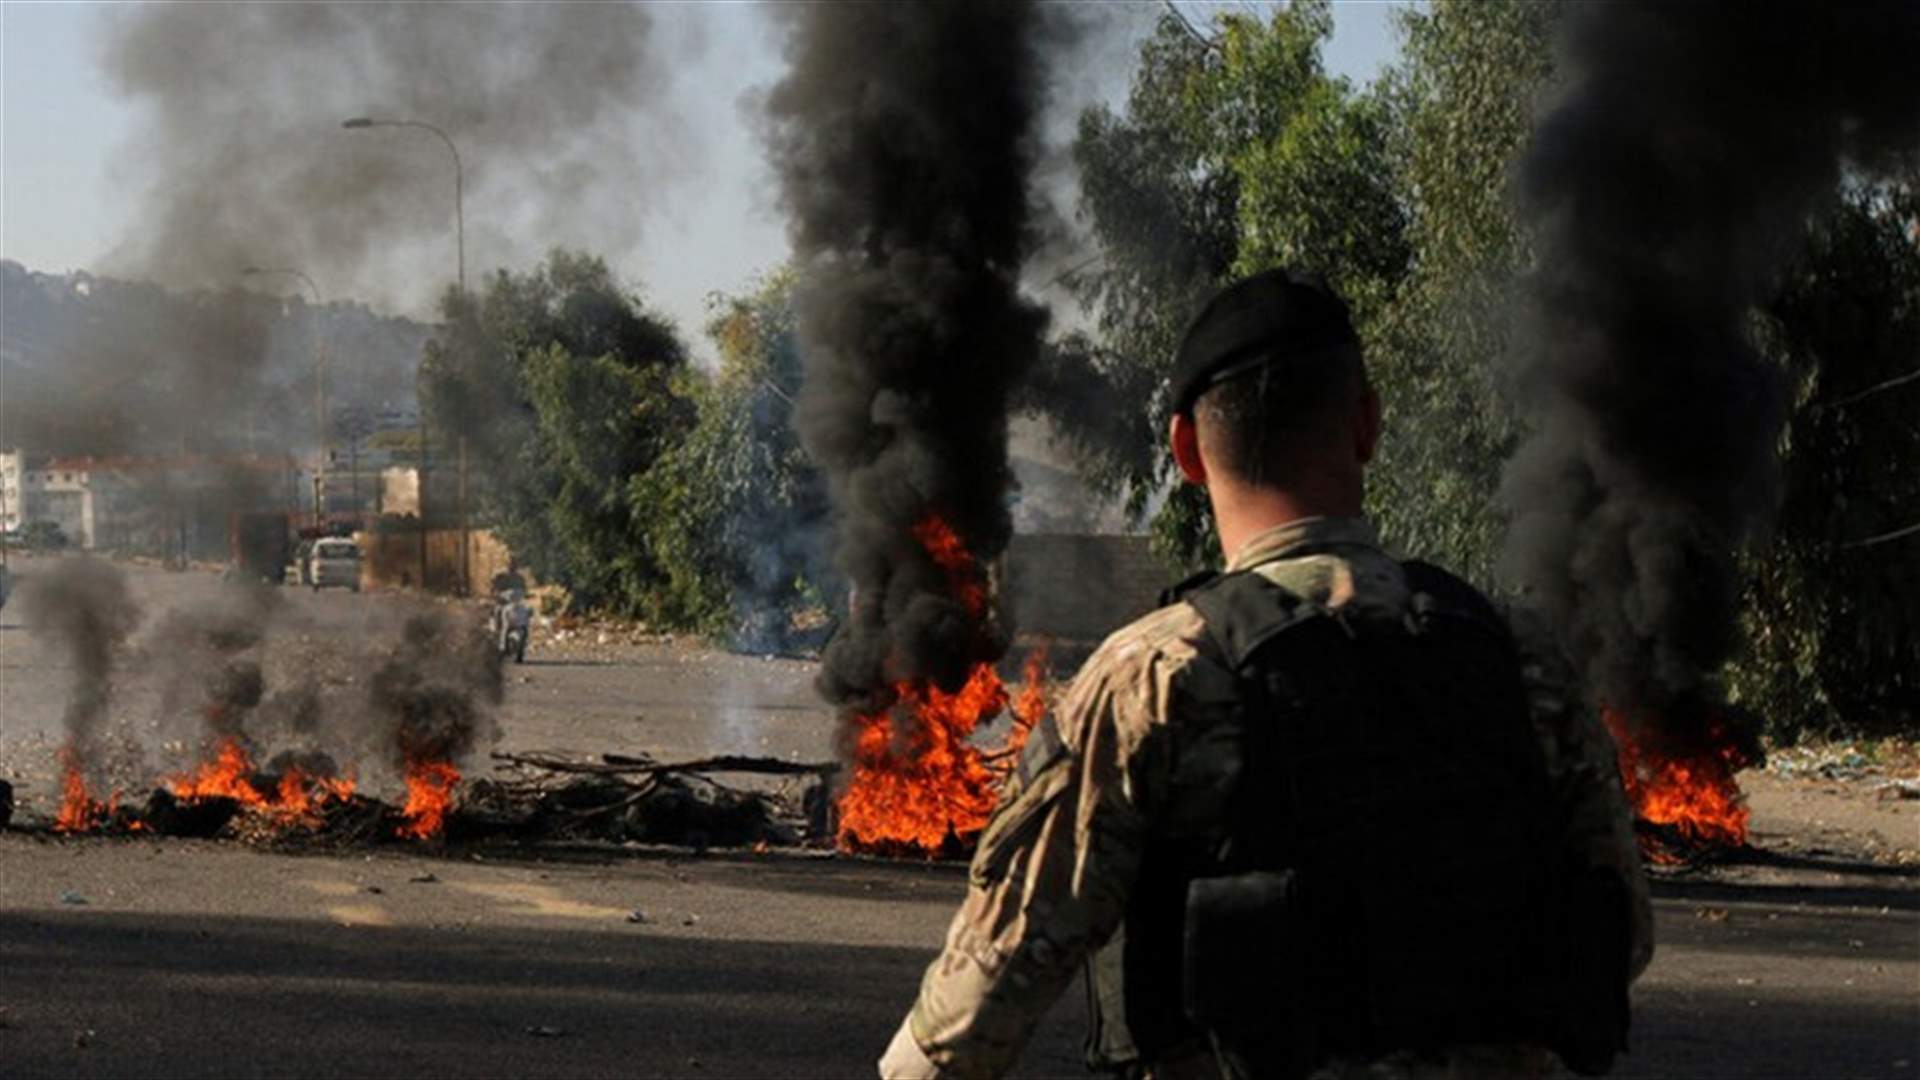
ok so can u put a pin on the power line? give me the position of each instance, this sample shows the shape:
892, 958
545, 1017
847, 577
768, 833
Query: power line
1897, 380
1883, 537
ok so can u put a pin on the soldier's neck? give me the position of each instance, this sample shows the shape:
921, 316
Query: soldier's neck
1241, 513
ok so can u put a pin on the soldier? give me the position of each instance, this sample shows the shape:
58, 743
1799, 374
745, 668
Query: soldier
1327, 813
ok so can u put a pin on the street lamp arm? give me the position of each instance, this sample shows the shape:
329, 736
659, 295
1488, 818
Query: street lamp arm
459, 177
288, 271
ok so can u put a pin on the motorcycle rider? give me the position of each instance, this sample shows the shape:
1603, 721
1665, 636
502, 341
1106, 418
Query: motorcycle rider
510, 612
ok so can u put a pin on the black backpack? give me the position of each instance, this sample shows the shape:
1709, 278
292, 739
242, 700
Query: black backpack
1395, 877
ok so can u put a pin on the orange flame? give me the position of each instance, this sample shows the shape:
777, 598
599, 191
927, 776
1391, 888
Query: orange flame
229, 775
919, 783
430, 787
950, 553
1689, 789
1030, 704
301, 794
79, 810
292, 795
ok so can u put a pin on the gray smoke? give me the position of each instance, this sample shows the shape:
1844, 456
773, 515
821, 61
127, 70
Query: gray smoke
206, 657
1666, 188
361, 691
193, 404
248, 164
112, 368
83, 604
904, 136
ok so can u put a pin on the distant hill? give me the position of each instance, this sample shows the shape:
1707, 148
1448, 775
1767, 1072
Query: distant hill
96, 365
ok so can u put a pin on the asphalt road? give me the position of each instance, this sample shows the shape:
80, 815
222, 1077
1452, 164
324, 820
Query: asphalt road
175, 958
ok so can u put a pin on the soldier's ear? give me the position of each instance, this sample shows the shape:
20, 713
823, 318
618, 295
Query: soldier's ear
1183, 435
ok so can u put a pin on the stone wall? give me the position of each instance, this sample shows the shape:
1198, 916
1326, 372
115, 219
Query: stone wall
1079, 588
390, 559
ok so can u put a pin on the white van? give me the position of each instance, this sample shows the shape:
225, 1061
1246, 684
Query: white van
334, 562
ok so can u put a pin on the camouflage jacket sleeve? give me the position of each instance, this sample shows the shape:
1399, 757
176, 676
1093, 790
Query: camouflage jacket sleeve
1585, 769
1051, 877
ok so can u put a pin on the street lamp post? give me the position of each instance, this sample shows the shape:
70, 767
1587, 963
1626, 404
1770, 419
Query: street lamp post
319, 376
460, 248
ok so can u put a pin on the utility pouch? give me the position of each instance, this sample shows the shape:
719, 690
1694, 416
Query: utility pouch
1247, 953
1595, 1012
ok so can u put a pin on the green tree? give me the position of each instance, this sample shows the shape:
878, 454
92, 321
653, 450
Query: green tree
562, 383
739, 512
1462, 97
602, 422
1213, 133
1831, 625
1237, 153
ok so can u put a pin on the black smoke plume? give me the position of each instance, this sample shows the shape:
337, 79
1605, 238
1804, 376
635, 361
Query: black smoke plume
85, 606
904, 136
246, 162
208, 657
1666, 188
434, 695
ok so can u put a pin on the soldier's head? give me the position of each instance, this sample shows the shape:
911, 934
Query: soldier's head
1271, 396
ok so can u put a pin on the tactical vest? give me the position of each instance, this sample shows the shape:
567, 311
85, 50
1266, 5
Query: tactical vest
1393, 876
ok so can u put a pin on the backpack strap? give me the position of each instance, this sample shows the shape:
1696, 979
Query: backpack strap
1437, 592
1259, 1020
1244, 610
1178, 591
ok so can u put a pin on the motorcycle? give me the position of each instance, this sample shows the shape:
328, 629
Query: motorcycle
512, 622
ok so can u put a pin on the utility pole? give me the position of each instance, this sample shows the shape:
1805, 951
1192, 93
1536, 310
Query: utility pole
466, 538
422, 501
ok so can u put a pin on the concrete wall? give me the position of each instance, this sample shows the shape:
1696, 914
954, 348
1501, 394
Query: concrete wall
1080, 587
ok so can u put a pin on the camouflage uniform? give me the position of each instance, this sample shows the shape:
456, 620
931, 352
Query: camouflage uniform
1144, 745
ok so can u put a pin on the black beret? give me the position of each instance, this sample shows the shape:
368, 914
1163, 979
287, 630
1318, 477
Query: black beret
1273, 314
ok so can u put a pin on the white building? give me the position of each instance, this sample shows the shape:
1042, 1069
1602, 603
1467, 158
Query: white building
12, 464
145, 505
12, 489
45, 491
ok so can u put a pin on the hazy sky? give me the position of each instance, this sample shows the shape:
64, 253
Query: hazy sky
67, 184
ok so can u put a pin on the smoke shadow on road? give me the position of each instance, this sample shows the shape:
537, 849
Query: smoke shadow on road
787, 872
187, 995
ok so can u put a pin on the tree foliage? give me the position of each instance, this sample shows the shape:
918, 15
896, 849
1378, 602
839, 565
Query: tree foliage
561, 382
1236, 152
1215, 170
1832, 619
1463, 99
740, 513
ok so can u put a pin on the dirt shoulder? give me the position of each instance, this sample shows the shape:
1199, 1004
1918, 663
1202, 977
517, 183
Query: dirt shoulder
1837, 801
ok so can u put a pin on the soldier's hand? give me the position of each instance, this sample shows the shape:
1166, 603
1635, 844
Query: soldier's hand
904, 1060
